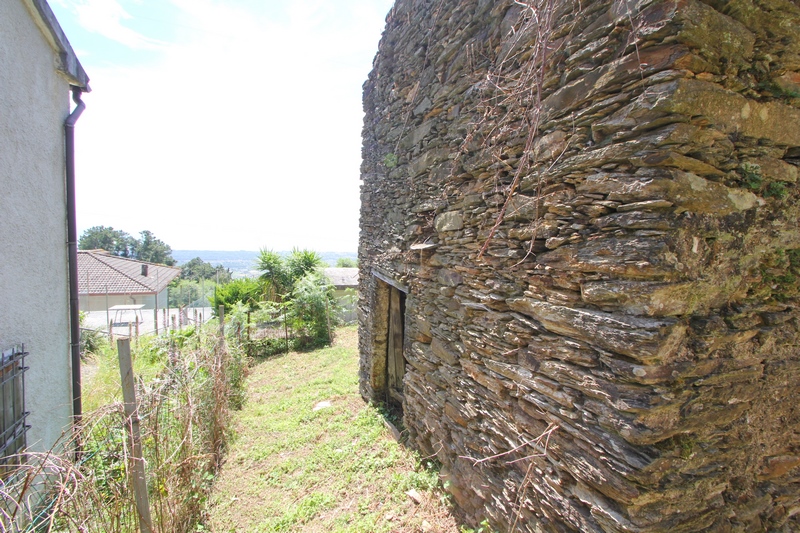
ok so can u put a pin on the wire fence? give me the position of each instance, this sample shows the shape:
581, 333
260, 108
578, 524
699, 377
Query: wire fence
145, 321
84, 483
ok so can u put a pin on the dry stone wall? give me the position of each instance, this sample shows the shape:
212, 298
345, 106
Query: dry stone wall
592, 208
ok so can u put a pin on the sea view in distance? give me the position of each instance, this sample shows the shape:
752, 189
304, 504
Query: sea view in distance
242, 263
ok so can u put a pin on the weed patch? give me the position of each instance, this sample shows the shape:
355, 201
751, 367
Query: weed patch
187, 386
311, 456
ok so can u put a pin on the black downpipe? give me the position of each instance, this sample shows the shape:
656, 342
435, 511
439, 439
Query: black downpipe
72, 250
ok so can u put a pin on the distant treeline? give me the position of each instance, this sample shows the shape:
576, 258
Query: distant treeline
242, 263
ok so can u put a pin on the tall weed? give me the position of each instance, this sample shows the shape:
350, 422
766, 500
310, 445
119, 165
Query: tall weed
185, 419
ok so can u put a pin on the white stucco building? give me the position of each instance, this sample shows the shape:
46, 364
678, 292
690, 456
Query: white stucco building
106, 281
39, 73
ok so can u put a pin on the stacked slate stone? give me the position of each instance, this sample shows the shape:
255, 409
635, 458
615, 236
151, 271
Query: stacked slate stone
636, 307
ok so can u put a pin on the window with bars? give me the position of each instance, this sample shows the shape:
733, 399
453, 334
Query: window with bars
12, 409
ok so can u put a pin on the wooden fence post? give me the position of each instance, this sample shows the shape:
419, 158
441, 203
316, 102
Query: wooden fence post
328, 319
221, 342
134, 437
285, 328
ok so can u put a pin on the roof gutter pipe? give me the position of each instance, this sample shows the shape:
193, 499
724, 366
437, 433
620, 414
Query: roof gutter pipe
72, 250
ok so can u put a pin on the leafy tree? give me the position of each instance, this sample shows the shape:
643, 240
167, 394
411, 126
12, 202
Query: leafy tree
187, 292
107, 238
346, 262
147, 248
152, 249
294, 285
280, 274
222, 274
196, 269
274, 274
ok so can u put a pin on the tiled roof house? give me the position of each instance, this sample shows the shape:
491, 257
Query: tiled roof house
106, 280
342, 278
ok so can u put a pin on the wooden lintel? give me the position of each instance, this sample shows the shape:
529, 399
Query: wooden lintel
383, 277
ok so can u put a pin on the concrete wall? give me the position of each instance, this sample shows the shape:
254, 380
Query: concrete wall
593, 208
34, 303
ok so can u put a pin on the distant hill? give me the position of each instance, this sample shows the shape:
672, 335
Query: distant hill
242, 262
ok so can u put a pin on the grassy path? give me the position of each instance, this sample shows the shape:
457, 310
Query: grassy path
310, 456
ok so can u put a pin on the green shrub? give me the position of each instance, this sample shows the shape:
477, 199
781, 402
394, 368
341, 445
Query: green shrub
245, 290
312, 310
302, 262
265, 347
92, 341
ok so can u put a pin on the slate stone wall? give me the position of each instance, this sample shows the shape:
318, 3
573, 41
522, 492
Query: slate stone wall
593, 209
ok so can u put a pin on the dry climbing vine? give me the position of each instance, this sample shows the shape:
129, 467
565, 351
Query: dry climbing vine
513, 89
520, 93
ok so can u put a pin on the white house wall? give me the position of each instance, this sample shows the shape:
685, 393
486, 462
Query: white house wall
34, 301
99, 302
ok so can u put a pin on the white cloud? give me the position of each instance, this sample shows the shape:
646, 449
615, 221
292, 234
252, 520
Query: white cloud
105, 17
246, 134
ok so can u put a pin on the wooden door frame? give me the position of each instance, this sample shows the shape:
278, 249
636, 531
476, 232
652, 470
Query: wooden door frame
383, 286
395, 347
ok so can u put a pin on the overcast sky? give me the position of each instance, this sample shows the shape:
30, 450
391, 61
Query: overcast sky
223, 124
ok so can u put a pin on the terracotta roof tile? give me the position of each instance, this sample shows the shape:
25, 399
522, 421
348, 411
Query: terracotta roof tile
100, 272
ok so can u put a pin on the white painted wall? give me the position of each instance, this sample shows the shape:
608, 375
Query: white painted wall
98, 302
34, 300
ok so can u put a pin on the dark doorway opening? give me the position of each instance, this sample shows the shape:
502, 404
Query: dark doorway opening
395, 360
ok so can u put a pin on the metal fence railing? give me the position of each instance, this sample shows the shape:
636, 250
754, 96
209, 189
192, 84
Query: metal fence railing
13, 426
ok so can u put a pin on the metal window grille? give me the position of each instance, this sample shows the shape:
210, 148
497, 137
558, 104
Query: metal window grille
12, 409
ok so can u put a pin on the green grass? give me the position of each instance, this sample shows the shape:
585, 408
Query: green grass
100, 370
333, 469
